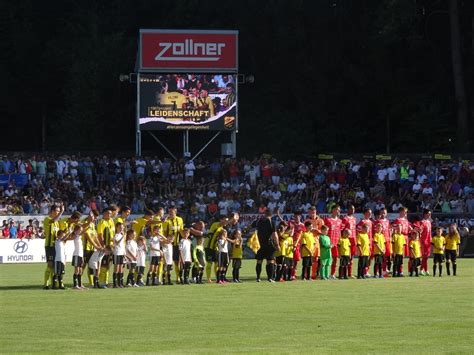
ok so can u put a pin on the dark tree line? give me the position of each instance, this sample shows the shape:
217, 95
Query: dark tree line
335, 76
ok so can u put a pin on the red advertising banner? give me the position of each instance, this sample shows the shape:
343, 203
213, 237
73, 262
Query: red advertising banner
188, 50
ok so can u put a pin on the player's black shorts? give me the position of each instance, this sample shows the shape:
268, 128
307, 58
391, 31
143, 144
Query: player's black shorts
345, 260
50, 254
155, 260
105, 261
222, 259
58, 268
141, 270
450, 255
210, 255
118, 260
236, 263
307, 261
398, 259
438, 258
176, 253
266, 252
87, 256
132, 266
415, 262
288, 262
279, 259
378, 258
77, 261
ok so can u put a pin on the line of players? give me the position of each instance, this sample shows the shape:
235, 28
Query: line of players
115, 240
373, 240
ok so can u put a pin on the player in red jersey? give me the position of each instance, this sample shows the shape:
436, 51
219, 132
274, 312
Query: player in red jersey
405, 230
384, 221
334, 224
367, 220
298, 228
316, 224
349, 222
424, 227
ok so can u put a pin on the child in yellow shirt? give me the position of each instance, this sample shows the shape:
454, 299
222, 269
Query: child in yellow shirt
344, 246
415, 253
379, 251
438, 242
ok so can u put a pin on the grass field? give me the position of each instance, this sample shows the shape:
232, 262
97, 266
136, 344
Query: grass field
406, 315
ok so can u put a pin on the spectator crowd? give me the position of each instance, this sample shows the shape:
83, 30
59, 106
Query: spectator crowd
203, 189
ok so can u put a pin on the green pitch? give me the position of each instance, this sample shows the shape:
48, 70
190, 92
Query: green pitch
422, 315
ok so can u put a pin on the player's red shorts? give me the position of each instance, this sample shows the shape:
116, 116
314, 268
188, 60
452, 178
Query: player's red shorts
425, 249
297, 255
353, 246
334, 252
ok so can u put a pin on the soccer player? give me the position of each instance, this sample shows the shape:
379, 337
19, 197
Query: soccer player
123, 218
90, 241
385, 223
334, 224
141, 256
140, 224
298, 229
172, 230
363, 247
398, 248
367, 220
405, 229
167, 249
199, 258
118, 255
77, 258
325, 258
152, 277
316, 224
350, 222
50, 230
59, 260
344, 246
185, 258
279, 257
415, 252
95, 262
210, 244
131, 254
307, 249
425, 241
379, 250
288, 260
439, 243
237, 254
452, 248
105, 234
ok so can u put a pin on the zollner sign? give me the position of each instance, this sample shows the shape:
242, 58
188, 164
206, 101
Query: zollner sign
188, 50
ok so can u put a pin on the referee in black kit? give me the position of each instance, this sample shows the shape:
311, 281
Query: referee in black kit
268, 239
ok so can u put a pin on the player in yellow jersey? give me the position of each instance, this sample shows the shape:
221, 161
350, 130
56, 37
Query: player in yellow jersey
236, 255
67, 224
280, 254
363, 247
415, 253
452, 248
344, 246
141, 223
210, 244
398, 249
171, 230
308, 243
379, 250
105, 235
90, 241
288, 261
50, 230
125, 212
439, 243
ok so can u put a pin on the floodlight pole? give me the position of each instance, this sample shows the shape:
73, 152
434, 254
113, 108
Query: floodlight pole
233, 140
186, 143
